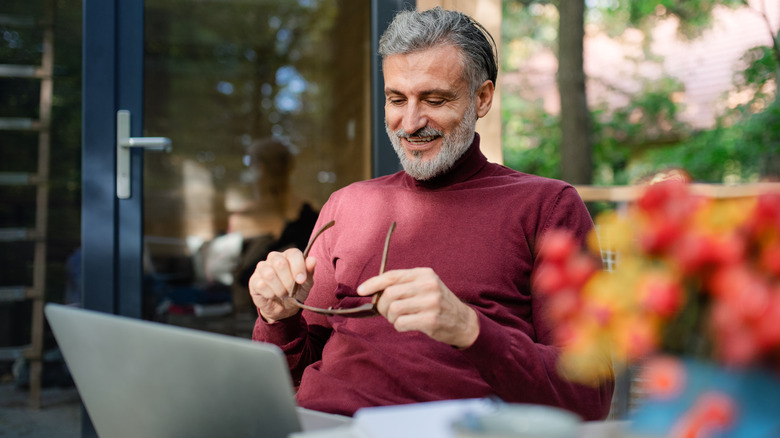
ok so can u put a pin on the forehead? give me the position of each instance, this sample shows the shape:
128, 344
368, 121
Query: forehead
437, 67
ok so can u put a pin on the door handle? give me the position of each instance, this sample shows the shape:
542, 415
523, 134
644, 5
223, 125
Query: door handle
123, 144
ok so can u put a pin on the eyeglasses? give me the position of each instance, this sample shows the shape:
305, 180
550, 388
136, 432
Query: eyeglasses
363, 311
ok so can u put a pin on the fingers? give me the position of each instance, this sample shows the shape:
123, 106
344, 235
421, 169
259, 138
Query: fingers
399, 305
273, 281
275, 275
417, 300
270, 281
407, 292
442, 317
398, 277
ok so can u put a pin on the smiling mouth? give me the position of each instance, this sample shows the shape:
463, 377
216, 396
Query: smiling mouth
420, 141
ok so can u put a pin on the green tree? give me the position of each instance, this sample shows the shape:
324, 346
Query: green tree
745, 143
575, 164
645, 134
531, 135
576, 142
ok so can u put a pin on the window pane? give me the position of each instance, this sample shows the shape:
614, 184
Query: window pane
267, 105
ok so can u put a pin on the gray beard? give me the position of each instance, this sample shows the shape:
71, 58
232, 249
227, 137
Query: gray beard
453, 147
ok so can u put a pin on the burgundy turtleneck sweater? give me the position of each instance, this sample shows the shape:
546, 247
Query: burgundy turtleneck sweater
477, 227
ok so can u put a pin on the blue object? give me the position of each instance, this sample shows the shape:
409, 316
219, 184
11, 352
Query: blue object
755, 392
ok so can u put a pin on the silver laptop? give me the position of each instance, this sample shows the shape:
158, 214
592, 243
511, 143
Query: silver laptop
144, 379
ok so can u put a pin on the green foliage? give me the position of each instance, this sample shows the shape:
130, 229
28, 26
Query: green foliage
649, 120
745, 144
694, 16
531, 137
645, 135
526, 28
739, 153
757, 78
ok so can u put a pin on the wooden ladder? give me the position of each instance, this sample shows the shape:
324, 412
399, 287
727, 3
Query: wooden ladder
35, 292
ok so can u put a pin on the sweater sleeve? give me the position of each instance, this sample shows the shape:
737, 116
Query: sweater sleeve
302, 337
301, 343
520, 366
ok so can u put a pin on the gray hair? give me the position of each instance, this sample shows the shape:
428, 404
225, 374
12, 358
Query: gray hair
412, 31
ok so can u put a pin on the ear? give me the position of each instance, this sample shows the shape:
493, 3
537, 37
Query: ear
484, 98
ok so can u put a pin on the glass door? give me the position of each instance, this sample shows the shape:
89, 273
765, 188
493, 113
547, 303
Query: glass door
267, 107
270, 106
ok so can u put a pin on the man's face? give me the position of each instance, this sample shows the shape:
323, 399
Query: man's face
430, 113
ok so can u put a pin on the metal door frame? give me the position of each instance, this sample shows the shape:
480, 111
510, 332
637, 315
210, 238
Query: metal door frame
111, 229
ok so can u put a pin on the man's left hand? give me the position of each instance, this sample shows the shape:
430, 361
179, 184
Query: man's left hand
416, 299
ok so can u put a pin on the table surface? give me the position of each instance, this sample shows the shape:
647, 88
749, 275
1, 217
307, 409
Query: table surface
437, 420
604, 429
594, 429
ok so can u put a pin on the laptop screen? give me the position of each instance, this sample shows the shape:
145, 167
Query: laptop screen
138, 378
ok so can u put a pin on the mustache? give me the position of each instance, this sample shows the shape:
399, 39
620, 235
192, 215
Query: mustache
426, 131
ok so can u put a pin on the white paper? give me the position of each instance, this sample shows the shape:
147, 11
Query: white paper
428, 420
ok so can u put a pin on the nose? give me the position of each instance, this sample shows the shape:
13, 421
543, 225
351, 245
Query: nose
413, 118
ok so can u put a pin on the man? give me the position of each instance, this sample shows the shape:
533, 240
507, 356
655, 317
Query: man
459, 318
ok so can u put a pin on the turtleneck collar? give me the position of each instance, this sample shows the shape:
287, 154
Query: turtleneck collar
471, 162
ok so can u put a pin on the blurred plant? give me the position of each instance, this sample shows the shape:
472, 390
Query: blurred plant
531, 137
694, 276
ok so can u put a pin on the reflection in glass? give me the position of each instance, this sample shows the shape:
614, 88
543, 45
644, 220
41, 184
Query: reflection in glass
267, 107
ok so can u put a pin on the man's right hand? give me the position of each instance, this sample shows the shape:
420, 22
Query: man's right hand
273, 281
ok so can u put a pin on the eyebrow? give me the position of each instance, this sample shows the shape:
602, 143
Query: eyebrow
432, 92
